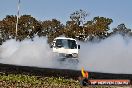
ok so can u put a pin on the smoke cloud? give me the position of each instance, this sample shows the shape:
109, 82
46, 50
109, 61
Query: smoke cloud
27, 53
112, 55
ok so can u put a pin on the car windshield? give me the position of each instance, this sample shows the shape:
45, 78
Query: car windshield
66, 43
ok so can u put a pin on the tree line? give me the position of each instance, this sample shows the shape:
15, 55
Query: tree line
76, 27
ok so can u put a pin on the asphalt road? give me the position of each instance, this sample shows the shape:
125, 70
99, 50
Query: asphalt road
52, 72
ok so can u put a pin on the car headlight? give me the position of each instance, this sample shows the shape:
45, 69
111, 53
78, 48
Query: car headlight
74, 55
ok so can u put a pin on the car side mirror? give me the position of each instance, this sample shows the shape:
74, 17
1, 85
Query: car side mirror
78, 46
51, 46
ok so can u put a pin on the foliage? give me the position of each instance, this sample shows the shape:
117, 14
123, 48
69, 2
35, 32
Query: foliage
18, 80
122, 30
26, 81
77, 27
27, 27
52, 29
98, 27
71, 29
7, 27
78, 16
74, 28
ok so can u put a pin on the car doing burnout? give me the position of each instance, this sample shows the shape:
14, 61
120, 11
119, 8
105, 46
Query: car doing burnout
66, 47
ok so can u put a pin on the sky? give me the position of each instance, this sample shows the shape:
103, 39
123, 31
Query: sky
118, 10
114, 49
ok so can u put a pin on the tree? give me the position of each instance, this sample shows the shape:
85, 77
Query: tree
51, 28
122, 30
28, 27
78, 17
74, 27
7, 27
98, 27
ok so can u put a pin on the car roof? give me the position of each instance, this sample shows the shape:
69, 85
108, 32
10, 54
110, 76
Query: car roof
64, 38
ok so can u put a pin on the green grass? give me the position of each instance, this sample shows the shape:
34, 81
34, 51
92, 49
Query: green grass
26, 81
32, 81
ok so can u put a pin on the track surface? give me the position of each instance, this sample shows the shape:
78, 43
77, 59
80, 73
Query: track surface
52, 72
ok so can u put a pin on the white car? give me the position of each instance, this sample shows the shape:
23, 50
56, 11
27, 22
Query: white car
66, 47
